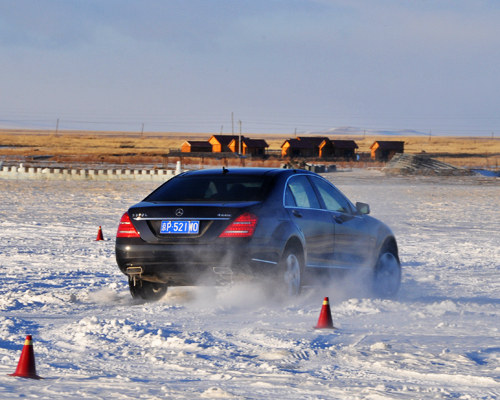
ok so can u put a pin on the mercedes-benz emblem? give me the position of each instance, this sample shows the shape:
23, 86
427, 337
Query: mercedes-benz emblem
179, 212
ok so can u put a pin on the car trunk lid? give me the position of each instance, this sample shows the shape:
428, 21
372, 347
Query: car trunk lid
163, 223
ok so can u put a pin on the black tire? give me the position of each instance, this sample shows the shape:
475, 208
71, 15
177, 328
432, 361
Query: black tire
292, 271
387, 275
150, 291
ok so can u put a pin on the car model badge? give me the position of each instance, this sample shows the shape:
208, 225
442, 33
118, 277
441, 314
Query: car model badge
139, 215
179, 212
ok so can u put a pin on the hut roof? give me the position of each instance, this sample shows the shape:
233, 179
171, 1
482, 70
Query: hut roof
344, 144
389, 145
198, 143
314, 141
224, 139
297, 144
255, 142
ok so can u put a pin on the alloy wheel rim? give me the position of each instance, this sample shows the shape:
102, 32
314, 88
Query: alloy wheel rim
292, 274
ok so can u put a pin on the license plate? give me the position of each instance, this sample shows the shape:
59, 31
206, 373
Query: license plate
180, 227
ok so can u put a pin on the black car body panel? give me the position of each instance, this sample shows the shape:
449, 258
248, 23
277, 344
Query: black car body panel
291, 208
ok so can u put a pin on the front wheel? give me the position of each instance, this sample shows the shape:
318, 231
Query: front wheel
150, 291
292, 269
387, 276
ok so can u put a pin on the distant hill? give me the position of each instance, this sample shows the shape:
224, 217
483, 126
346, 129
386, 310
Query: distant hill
351, 130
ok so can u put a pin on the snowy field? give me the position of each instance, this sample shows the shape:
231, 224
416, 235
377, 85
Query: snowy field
439, 339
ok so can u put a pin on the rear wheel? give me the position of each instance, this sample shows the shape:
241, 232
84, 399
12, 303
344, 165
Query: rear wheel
150, 291
387, 277
292, 270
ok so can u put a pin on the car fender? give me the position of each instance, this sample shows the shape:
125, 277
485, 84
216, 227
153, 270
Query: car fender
385, 238
383, 235
286, 232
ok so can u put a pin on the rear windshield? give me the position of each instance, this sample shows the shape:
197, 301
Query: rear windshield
211, 188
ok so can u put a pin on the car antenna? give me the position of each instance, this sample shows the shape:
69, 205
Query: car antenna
224, 170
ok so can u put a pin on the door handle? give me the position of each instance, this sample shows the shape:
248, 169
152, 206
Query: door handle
297, 214
338, 219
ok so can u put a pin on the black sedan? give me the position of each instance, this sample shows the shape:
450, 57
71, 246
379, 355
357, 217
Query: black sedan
219, 225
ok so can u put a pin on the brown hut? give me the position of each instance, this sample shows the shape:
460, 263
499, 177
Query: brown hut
196, 146
383, 150
254, 147
345, 149
296, 148
251, 147
302, 147
220, 143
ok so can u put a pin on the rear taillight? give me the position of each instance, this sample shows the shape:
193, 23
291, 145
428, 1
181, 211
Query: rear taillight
126, 229
243, 226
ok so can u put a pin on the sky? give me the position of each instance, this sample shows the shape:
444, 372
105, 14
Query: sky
431, 67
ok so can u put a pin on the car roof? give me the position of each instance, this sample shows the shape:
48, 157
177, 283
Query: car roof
243, 171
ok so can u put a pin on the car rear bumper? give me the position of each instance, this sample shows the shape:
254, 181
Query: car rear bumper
183, 264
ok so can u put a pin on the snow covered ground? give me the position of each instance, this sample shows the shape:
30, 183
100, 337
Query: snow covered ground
439, 339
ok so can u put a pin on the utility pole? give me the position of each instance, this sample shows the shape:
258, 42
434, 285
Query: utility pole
57, 126
142, 129
241, 144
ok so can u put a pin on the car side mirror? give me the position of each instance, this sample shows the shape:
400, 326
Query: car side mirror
363, 208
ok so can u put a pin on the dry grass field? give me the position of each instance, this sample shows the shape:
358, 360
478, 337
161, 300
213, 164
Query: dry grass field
125, 147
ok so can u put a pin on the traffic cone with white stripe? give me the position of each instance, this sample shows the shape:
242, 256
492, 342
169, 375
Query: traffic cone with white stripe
99, 235
325, 316
26, 366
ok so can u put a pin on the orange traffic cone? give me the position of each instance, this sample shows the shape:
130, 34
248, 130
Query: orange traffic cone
325, 316
26, 366
99, 235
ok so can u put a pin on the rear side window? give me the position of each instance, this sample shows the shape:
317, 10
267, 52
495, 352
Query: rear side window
211, 188
300, 193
